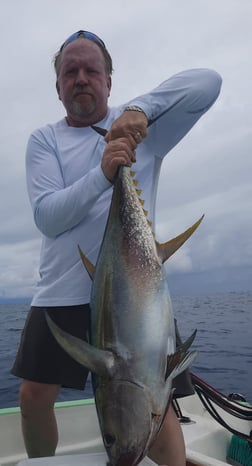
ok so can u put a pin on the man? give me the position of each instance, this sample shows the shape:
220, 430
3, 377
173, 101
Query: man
70, 173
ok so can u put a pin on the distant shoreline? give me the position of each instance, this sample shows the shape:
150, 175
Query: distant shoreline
175, 294
195, 283
17, 300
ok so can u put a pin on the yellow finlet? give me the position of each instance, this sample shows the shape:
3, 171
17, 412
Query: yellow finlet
142, 202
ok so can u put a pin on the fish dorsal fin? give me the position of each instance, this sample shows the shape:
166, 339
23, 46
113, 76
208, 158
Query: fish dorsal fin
90, 268
165, 250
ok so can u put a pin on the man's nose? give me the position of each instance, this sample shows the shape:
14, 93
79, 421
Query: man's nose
82, 77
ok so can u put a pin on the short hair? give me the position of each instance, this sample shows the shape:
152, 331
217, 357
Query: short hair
100, 44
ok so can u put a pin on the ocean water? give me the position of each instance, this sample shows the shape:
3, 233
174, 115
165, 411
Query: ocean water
223, 343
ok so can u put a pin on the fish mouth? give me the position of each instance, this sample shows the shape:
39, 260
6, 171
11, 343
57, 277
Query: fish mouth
127, 459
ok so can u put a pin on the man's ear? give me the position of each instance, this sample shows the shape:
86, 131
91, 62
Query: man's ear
109, 85
58, 89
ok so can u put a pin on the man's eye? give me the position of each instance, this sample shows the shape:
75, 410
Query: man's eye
71, 71
92, 71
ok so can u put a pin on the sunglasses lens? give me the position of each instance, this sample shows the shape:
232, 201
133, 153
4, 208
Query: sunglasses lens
94, 37
86, 34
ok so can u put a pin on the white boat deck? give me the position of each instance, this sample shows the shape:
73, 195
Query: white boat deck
206, 441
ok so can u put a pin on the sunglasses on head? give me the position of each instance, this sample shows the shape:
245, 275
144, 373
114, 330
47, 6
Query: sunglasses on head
87, 35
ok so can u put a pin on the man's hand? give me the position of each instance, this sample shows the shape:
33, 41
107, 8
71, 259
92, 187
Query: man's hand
125, 134
120, 151
131, 124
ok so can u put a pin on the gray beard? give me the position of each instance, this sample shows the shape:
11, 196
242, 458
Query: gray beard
80, 111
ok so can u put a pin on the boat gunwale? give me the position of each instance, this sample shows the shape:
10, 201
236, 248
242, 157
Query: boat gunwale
58, 405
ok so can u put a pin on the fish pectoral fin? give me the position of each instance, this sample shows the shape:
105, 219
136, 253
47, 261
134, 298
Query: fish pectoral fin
90, 268
181, 359
165, 250
178, 362
184, 347
98, 361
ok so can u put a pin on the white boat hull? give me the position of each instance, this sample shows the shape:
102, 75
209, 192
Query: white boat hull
206, 441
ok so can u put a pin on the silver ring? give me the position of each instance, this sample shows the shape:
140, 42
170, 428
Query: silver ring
138, 137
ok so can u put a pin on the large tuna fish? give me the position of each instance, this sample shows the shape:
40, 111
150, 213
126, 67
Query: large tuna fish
132, 354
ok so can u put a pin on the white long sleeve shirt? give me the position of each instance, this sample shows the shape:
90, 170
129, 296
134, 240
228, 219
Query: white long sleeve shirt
69, 194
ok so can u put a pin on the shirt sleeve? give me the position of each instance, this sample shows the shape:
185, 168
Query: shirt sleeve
57, 208
176, 105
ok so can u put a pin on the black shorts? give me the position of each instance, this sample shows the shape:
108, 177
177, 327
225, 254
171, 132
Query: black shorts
40, 358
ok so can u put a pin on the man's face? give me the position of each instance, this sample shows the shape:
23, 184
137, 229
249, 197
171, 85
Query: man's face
83, 85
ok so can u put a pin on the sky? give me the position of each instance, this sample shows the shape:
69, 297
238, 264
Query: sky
208, 172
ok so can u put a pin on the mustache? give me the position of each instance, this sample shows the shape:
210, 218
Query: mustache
82, 90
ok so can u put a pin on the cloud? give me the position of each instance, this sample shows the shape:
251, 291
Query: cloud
209, 171
18, 270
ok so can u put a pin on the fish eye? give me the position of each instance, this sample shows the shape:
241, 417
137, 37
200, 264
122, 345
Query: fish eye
109, 440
